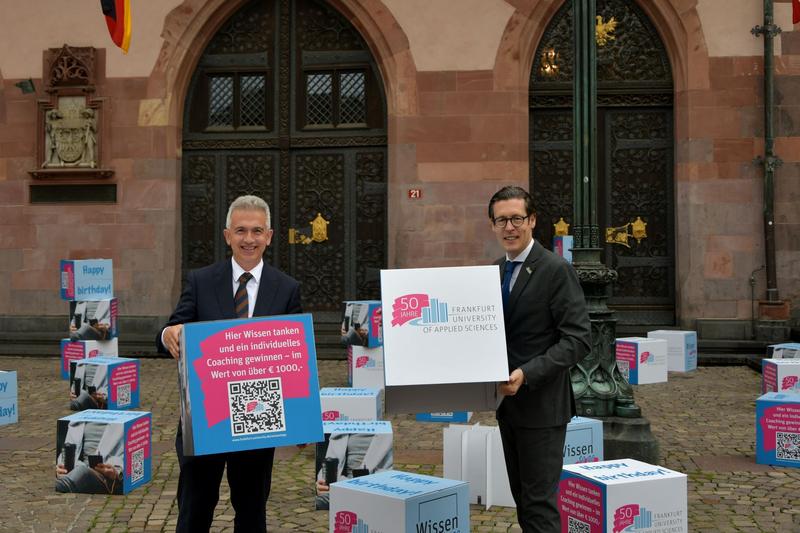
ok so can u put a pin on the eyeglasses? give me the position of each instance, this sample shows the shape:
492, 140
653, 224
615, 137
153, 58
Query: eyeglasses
516, 221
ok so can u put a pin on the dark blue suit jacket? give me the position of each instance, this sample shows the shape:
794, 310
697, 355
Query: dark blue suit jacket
547, 332
208, 295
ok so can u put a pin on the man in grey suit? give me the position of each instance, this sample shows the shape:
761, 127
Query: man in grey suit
547, 332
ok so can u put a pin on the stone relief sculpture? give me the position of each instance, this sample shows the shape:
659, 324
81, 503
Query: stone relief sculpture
50, 156
70, 137
89, 138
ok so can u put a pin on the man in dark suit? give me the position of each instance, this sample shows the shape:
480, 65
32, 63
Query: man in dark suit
243, 286
547, 332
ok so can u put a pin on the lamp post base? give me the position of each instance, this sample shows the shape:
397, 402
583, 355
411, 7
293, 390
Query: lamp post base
600, 389
629, 438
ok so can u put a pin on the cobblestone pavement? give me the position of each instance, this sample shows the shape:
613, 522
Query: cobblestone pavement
704, 422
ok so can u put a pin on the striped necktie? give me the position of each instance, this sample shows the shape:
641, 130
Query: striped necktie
240, 303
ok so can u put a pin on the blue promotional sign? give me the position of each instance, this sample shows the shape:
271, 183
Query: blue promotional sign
249, 384
777, 429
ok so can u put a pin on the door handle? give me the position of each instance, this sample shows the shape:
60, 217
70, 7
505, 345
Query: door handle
319, 232
620, 235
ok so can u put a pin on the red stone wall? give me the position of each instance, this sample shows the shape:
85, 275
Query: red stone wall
467, 140
137, 233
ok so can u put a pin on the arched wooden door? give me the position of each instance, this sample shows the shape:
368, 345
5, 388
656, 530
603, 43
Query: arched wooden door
286, 103
635, 153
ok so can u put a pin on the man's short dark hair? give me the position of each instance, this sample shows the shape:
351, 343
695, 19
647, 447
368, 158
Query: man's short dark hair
511, 192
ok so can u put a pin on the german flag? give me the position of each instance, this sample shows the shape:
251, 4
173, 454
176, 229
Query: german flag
118, 19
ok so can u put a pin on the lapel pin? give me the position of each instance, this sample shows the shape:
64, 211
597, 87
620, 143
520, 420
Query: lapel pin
529, 270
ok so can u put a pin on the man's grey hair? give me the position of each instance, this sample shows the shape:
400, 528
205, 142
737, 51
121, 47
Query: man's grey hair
247, 202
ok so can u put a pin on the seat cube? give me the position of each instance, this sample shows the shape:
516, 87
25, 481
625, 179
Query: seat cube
399, 502
612, 496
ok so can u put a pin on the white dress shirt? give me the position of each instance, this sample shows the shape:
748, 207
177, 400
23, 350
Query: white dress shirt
523, 255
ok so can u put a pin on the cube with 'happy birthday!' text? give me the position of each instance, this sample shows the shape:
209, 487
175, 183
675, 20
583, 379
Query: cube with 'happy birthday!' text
9, 413
399, 502
622, 495
87, 279
350, 403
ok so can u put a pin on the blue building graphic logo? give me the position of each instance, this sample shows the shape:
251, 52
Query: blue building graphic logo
644, 520
436, 312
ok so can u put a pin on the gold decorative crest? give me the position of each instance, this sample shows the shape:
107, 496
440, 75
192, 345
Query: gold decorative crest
561, 227
604, 30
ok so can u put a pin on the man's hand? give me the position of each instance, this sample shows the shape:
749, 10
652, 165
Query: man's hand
61, 471
106, 470
322, 487
172, 340
99, 399
515, 381
362, 333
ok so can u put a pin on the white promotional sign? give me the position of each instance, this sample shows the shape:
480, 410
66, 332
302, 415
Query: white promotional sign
443, 325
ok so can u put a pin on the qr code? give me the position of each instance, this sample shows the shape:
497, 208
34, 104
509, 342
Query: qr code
256, 406
787, 446
625, 369
137, 465
576, 526
123, 395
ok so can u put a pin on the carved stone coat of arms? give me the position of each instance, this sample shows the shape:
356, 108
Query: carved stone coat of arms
70, 135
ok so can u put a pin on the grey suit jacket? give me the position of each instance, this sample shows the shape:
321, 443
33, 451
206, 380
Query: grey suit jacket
547, 332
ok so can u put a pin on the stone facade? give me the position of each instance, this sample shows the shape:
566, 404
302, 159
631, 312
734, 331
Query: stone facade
455, 73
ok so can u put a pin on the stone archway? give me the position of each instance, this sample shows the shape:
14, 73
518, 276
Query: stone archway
635, 153
189, 27
286, 102
682, 36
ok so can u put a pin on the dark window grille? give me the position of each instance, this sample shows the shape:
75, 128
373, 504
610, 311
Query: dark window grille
337, 99
237, 101
352, 98
252, 107
220, 101
319, 99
